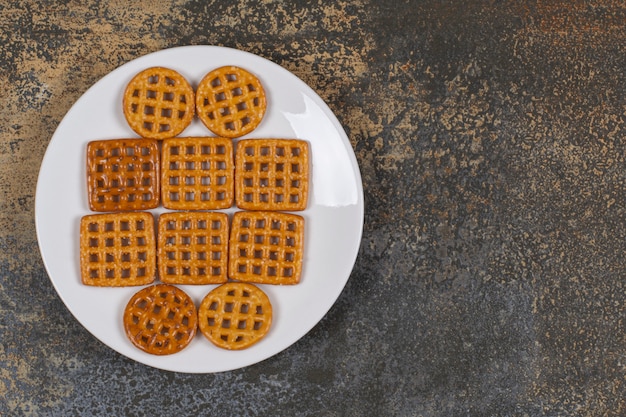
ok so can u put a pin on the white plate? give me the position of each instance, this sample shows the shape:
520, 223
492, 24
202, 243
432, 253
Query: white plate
334, 217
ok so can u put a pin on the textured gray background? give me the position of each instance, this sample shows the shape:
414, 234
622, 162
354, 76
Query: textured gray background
490, 136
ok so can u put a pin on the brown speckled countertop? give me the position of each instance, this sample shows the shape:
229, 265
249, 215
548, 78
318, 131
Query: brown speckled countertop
491, 139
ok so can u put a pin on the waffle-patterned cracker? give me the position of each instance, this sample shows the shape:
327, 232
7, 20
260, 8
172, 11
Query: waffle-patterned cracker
197, 173
193, 247
266, 247
160, 319
123, 174
272, 174
230, 101
117, 249
235, 315
158, 103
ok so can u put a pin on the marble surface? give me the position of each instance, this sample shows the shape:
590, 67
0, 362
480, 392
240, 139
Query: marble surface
491, 275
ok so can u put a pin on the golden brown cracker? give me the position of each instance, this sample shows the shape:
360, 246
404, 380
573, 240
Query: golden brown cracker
235, 315
158, 103
266, 247
160, 319
272, 174
193, 247
117, 249
197, 173
230, 101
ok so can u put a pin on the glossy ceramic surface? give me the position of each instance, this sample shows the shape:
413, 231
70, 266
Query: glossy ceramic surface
334, 216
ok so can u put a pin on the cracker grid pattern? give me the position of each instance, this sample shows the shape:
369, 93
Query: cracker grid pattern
230, 101
158, 103
197, 173
272, 174
117, 249
193, 247
123, 174
235, 315
160, 319
266, 247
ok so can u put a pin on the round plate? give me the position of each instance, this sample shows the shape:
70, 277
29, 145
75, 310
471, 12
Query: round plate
334, 216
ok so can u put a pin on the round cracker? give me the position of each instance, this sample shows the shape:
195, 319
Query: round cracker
235, 315
230, 101
158, 103
161, 319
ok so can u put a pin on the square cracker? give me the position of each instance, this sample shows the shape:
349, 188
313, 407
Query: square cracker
123, 174
266, 247
117, 249
193, 247
197, 173
272, 174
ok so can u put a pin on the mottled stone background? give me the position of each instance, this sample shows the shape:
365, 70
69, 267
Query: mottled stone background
491, 140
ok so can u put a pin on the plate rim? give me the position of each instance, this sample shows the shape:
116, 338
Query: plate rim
355, 169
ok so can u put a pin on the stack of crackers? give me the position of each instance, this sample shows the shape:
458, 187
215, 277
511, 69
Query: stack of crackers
193, 242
